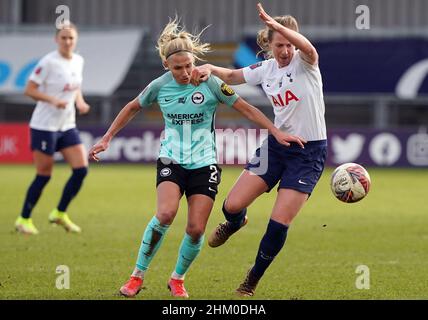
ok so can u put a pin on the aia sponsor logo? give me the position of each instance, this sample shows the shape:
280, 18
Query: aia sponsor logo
279, 101
70, 87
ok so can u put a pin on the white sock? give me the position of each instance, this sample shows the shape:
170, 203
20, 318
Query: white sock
175, 275
138, 273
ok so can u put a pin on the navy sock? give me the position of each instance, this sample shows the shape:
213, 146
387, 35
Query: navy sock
33, 194
235, 219
72, 187
272, 242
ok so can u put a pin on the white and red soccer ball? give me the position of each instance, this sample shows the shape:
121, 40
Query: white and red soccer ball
350, 182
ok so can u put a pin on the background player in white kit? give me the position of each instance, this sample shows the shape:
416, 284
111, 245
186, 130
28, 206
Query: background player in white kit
292, 82
55, 85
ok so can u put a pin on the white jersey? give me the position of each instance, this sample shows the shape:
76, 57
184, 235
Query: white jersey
60, 78
295, 92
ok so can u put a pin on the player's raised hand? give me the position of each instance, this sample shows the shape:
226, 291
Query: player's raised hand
200, 74
100, 146
267, 19
285, 139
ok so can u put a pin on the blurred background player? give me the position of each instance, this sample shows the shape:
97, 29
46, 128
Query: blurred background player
55, 84
183, 167
291, 79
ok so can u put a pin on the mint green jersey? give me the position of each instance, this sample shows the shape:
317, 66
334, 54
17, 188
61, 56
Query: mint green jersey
189, 114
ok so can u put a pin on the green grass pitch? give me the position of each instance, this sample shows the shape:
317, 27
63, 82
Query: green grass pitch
387, 232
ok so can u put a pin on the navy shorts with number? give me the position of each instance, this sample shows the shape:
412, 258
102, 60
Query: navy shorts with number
293, 167
51, 141
203, 180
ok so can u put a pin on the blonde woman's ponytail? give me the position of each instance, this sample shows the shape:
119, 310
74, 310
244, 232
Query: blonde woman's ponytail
174, 39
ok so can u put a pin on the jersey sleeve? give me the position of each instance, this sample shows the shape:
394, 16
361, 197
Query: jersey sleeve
254, 74
306, 65
147, 96
40, 72
150, 93
222, 91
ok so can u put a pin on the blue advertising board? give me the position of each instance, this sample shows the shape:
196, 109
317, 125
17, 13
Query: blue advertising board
396, 66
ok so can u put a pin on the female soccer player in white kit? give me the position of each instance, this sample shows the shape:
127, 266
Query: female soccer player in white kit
55, 84
291, 80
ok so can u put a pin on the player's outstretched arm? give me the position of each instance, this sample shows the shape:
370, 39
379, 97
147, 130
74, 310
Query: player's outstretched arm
307, 50
230, 76
255, 115
125, 115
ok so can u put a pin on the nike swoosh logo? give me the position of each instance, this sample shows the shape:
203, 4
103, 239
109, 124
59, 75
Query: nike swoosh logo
301, 182
211, 189
168, 100
190, 260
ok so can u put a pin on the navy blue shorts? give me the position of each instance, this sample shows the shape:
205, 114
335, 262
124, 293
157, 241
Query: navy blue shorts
51, 141
294, 167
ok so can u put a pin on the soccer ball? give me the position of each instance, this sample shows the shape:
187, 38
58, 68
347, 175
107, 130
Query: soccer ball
350, 182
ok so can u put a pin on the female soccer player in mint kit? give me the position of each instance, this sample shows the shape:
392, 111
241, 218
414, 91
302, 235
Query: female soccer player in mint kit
187, 161
55, 84
291, 80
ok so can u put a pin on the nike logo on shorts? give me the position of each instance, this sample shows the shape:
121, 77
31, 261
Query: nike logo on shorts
211, 189
301, 182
